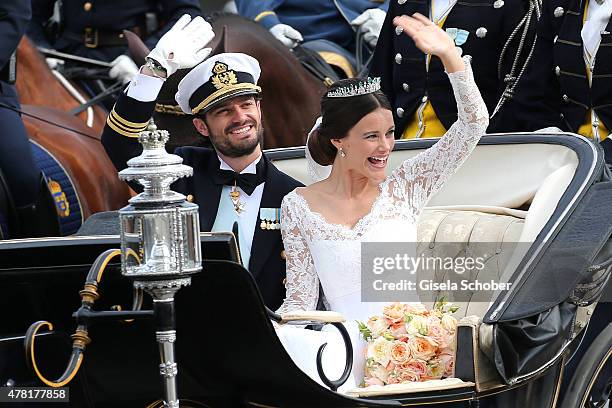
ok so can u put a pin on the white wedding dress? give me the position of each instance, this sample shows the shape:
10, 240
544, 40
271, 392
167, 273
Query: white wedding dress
319, 251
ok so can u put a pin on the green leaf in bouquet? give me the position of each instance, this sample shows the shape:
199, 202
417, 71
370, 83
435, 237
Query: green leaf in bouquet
407, 318
388, 336
365, 331
453, 309
440, 303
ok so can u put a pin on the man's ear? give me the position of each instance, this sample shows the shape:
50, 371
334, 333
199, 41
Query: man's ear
201, 127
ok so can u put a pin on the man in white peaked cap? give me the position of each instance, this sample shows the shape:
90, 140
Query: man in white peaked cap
234, 182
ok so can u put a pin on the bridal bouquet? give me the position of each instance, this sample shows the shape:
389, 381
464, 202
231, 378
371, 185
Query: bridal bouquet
409, 343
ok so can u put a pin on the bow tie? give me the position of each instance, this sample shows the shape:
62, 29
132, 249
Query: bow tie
246, 181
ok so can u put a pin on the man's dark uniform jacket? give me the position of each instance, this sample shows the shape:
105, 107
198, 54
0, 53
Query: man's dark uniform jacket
267, 263
93, 28
401, 65
555, 90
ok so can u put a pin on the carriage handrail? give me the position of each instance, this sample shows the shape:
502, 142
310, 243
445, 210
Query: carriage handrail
335, 320
80, 338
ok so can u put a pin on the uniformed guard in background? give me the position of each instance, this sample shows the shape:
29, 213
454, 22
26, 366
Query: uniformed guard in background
93, 29
568, 83
35, 209
419, 90
326, 26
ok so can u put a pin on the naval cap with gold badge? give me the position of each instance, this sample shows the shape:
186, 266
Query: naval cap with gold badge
218, 78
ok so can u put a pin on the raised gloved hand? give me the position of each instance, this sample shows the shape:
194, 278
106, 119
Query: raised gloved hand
183, 45
370, 22
123, 69
286, 34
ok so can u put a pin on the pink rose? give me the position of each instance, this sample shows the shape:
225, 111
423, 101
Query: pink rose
399, 352
407, 376
447, 362
393, 379
412, 369
422, 348
437, 333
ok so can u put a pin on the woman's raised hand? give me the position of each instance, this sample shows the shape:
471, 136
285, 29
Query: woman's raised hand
431, 39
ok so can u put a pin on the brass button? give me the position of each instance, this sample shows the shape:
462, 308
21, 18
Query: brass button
284, 281
87, 6
190, 198
283, 255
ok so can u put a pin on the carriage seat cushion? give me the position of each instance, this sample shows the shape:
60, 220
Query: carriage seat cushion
444, 233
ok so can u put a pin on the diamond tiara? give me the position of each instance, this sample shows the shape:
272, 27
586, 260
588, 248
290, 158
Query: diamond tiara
367, 86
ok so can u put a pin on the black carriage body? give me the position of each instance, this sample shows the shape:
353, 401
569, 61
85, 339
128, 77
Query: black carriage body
228, 353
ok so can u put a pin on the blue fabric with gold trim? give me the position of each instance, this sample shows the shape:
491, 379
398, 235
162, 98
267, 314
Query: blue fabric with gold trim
62, 189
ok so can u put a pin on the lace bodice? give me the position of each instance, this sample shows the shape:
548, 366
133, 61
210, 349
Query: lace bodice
319, 250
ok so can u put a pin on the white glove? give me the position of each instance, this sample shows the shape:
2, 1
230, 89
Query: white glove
123, 69
183, 45
286, 34
370, 22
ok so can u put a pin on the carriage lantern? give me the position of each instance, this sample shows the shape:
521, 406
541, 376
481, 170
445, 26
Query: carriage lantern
160, 246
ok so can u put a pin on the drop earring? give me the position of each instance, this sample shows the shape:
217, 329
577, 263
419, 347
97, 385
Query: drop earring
342, 154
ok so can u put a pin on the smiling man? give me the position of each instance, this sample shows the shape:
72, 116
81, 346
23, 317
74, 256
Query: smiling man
234, 182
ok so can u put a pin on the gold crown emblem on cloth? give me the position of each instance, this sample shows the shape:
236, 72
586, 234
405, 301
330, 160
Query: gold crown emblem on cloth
367, 86
223, 76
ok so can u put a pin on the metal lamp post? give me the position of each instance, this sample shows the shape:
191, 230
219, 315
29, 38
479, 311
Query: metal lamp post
163, 229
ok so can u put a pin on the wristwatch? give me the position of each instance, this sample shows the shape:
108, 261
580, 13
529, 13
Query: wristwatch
157, 69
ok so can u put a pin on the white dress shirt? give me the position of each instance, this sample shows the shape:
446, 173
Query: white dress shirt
247, 219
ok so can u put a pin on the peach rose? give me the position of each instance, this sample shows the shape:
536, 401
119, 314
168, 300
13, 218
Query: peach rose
380, 351
377, 371
415, 308
394, 313
400, 353
372, 381
449, 323
417, 325
422, 348
398, 330
434, 370
377, 326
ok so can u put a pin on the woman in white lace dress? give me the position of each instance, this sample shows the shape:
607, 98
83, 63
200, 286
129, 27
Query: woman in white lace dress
324, 224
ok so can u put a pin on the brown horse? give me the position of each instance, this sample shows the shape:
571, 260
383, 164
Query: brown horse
38, 85
78, 150
290, 94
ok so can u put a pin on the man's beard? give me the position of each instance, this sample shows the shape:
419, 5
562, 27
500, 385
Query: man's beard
224, 145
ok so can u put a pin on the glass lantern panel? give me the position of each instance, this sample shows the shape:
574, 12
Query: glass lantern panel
192, 253
131, 243
159, 243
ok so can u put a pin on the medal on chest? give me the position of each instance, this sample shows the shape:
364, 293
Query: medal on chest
235, 197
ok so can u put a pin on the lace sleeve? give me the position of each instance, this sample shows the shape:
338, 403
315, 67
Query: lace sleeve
302, 281
418, 178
